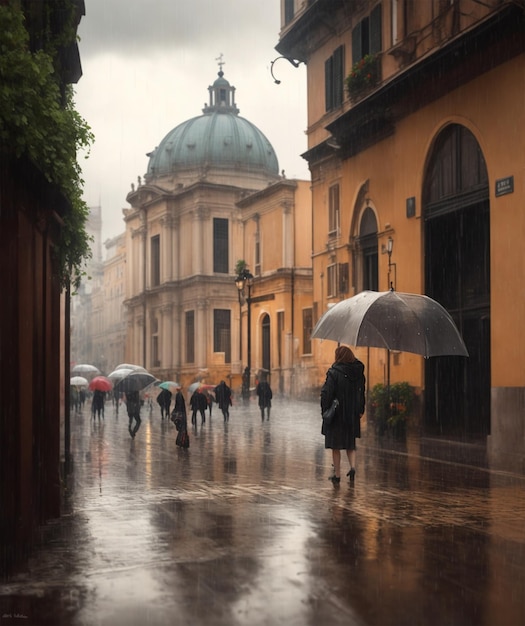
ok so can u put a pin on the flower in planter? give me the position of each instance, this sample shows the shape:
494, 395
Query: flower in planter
392, 405
363, 76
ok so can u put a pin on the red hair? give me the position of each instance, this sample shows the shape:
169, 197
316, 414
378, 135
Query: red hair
343, 354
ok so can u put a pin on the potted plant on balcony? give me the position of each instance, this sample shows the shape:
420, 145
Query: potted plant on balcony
363, 76
391, 406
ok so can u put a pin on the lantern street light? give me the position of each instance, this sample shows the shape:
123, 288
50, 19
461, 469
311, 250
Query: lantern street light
389, 248
244, 282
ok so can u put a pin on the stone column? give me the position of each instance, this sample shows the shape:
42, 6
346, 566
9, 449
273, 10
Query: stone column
166, 346
202, 340
166, 246
200, 215
288, 235
139, 340
175, 247
136, 261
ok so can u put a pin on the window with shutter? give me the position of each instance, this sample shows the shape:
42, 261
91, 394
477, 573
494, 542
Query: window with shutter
367, 35
333, 210
334, 79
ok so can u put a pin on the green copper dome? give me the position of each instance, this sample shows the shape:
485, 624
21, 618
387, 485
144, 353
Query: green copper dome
219, 138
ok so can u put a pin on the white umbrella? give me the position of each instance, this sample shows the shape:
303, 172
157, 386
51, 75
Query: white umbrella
83, 368
130, 366
393, 320
78, 381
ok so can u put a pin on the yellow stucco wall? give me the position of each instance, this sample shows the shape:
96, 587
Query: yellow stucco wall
395, 169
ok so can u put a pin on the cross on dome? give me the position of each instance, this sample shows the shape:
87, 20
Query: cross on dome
220, 61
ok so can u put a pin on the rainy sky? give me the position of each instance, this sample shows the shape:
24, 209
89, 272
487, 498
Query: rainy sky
147, 65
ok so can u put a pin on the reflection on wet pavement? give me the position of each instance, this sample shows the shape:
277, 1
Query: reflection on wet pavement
245, 528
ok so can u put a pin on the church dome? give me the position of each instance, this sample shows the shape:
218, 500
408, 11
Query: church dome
218, 139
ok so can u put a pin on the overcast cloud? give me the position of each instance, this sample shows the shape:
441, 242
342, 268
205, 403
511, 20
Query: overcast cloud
147, 65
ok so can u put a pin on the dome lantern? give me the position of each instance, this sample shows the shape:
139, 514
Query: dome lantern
222, 97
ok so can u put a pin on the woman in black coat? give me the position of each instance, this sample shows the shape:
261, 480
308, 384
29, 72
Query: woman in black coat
345, 380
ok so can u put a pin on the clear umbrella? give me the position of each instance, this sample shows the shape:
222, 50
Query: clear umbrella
393, 320
135, 381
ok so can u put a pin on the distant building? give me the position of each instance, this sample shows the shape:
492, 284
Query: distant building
277, 243
186, 231
85, 312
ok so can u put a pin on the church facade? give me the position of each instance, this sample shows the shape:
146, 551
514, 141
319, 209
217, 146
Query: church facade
185, 236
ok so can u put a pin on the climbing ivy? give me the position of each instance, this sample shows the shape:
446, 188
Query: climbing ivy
40, 122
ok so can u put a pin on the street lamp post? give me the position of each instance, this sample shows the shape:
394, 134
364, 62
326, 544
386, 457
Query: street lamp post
245, 280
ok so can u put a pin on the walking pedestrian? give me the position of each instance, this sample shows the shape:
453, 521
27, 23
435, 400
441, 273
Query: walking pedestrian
223, 396
198, 404
179, 409
264, 393
97, 404
210, 400
74, 399
117, 395
164, 401
345, 380
133, 407
246, 385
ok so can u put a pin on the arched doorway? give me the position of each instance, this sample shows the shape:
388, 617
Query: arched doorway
457, 274
266, 361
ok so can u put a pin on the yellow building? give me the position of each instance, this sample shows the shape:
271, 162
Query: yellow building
277, 243
415, 135
185, 235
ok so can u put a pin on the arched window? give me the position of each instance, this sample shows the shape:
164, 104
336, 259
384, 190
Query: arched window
367, 243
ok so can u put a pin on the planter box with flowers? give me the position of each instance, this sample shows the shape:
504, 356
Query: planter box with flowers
364, 76
391, 407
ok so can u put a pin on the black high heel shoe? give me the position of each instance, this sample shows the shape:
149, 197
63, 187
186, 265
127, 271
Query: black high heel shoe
351, 473
335, 479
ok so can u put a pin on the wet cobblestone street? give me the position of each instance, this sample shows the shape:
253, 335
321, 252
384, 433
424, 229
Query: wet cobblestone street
245, 528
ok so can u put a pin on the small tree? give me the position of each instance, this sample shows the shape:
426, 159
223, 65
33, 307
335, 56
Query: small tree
240, 267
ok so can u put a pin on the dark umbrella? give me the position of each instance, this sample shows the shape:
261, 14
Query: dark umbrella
135, 381
393, 320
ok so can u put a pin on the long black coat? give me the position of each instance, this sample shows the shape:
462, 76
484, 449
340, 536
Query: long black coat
264, 393
198, 401
346, 382
223, 395
164, 399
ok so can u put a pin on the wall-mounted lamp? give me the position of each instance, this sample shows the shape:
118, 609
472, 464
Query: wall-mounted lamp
294, 63
389, 248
